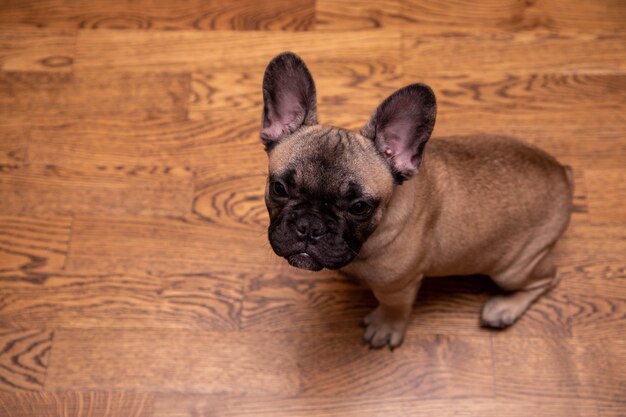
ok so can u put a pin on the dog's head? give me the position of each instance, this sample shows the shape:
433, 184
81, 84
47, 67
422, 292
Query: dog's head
328, 187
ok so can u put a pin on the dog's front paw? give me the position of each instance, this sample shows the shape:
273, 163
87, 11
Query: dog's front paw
383, 327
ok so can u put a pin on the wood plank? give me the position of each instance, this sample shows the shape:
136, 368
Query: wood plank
596, 291
359, 15
286, 15
568, 368
24, 359
203, 51
174, 360
529, 52
591, 265
104, 189
514, 15
429, 16
589, 244
602, 366
614, 409
173, 405
598, 315
197, 144
535, 368
76, 404
32, 247
24, 49
425, 367
164, 246
577, 98
192, 301
208, 301
14, 139
606, 193
268, 363
31, 95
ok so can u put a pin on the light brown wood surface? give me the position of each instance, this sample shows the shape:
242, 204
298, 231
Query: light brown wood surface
135, 274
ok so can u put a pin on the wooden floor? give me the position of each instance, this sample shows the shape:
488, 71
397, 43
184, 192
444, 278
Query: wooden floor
135, 274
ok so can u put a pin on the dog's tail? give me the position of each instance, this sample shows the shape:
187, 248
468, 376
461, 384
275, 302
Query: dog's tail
569, 174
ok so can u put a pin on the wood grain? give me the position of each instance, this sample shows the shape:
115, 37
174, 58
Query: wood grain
164, 246
359, 15
32, 247
285, 15
528, 52
103, 189
535, 368
607, 193
597, 305
192, 301
235, 202
532, 96
24, 359
585, 243
89, 143
202, 51
196, 405
576, 368
76, 404
597, 315
431, 367
175, 360
14, 139
514, 15
613, 409
29, 95
282, 363
602, 366
291, 300
23, 49
430, 16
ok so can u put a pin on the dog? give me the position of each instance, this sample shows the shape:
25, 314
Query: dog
382, 206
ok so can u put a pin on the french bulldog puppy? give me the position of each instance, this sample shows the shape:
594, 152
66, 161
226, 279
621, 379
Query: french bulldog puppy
382, 206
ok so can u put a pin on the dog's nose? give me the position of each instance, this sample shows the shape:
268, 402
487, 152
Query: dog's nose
310, 226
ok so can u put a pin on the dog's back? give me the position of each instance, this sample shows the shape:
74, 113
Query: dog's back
497, 197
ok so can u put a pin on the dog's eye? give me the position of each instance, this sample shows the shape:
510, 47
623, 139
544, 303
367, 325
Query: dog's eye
360, 208
279, 190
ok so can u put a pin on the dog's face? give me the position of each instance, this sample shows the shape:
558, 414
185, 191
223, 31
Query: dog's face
326, 192
328, 187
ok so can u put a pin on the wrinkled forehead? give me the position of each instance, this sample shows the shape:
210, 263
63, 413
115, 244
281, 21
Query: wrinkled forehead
328, 160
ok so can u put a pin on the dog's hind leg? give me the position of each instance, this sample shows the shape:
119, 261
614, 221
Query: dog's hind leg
524, 283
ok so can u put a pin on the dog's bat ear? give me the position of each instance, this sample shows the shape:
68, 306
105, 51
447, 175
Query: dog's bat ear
401, 126
289, 100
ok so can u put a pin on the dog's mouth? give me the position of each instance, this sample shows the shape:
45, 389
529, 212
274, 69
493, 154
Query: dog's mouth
304, 261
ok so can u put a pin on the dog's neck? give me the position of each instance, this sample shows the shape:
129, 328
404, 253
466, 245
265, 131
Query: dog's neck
409, 200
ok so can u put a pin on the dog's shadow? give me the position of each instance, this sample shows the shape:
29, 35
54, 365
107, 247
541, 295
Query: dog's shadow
442, 303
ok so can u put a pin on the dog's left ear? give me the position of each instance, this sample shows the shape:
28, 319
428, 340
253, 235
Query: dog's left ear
289, 100
401, 126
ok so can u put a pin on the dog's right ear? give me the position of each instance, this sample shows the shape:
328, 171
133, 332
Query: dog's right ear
289, 100
401, 126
